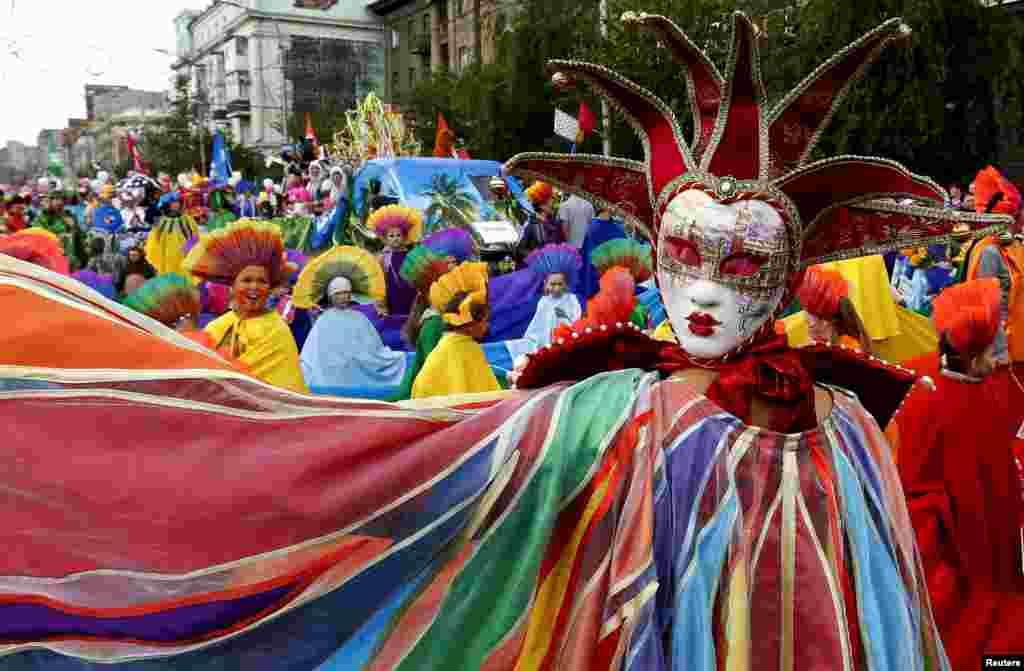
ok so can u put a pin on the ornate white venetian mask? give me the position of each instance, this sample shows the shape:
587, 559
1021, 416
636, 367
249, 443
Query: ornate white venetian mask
722, 268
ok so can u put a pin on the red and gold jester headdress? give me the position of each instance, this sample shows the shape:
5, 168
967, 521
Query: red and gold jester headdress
743, 148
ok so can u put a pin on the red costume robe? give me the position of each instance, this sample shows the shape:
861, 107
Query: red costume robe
954, 450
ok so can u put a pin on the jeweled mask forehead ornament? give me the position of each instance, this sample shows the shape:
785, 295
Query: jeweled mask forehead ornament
741, 204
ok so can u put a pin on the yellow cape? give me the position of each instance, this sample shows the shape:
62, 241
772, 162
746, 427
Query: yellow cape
165, 246
456, 366
265, 344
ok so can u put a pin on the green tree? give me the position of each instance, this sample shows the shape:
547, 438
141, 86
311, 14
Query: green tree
448, 205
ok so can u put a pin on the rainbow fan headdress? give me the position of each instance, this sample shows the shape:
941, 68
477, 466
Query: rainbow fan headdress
633, 255
221, 255
745, 149
359, 266
167, 298
563, 258
422, 267
406, 219
468, 282
37, 246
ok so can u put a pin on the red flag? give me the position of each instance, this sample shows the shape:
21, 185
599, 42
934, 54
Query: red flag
586, 119
134, 153
310, 133
443, 141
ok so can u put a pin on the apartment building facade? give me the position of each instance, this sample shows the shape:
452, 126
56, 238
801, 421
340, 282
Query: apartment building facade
253, 64
425, 36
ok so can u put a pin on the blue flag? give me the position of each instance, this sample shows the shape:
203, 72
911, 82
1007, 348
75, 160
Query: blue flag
220, 165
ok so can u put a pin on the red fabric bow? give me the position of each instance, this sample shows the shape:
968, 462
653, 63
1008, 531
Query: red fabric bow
770, 369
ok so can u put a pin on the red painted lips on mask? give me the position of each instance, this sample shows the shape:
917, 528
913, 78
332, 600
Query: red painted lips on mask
702, 324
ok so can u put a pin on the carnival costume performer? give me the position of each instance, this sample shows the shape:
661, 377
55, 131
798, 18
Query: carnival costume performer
831, 316
220, 214
542, 227
424, 327
397, 227
741, 510
1002, 257
634, 257
37, 246
54, 219
344, 354
559, 267
16, 219
249, 256
458, 365
105, 216
165, 244
954, 447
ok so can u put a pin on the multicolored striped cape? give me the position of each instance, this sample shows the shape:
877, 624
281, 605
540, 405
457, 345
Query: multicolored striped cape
159, 510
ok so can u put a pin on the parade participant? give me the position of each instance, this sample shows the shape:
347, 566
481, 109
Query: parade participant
954, 448
397, 227
16, 219
219, 214
575, 215
543, 227
831, 317
135, 271
455, 244
245, 201
424, 327
105, 216
249, 257
133, 214
636, 258
37, 246
602, 229
744, 509
103, 259
165, 245
344, 354
458, 365
54, 219
171, 299
1001, 256
337, 187
166, 185
559, 265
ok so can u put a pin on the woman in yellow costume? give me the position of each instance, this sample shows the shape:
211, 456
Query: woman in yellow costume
249, 256
897, 334
165, 245
458, 365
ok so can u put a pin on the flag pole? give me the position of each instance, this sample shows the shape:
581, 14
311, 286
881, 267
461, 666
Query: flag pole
606, 121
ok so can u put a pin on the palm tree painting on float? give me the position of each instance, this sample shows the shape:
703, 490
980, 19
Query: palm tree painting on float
448, 205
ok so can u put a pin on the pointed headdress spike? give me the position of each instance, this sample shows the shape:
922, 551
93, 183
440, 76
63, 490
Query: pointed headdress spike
667, 155
797, 121
738, 145
703, 81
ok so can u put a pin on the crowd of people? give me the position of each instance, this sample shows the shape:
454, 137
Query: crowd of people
736, 420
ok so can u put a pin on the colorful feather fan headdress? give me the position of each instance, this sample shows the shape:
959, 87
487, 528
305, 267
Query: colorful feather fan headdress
633, 255
357, 265
468, 281
37, 246
454, 242
967, 315
167, 298
549, 259
406, 219
221, 255
422, 267
744, 149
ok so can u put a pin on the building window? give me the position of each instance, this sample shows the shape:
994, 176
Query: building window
459, 8
394, 39
426, 24
465, 57
394, 82
242, 47
412, 30
412, 78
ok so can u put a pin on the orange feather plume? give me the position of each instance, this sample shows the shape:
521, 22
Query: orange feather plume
968, 315
990, 182
821, 292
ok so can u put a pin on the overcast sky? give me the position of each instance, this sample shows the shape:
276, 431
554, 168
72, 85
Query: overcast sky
50, 49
